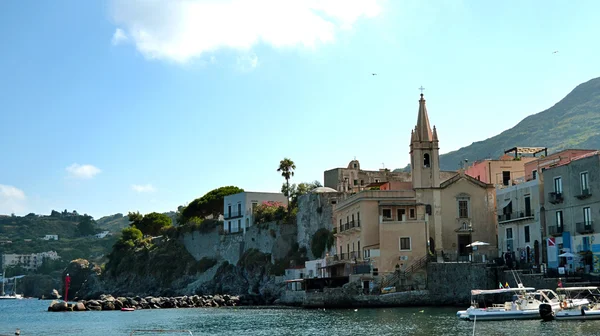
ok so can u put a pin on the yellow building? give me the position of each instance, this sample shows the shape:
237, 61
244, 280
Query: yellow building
439, 215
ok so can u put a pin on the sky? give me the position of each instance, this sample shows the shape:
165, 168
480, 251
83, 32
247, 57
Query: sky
145, 105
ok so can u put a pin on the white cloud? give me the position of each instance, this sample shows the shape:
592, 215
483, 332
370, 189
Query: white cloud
180, 30
85, 171
119, 37
247, 62
12, 199
143, 188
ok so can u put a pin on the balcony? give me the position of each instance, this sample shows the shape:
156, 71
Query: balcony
585, 227
349, 227
514, 216
383, 219
555, 197
233, 214
555, 231
585, 193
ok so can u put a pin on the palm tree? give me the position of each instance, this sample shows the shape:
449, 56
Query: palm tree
286, 167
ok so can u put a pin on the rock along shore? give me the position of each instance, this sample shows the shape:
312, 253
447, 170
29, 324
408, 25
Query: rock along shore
108, 302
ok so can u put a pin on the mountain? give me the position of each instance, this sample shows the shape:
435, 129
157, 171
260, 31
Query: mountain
574, 122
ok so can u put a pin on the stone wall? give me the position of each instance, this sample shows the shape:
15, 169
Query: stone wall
272, 238
315, 212
337, 298
451, 283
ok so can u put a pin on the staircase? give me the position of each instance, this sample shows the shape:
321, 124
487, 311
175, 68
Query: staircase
398, 275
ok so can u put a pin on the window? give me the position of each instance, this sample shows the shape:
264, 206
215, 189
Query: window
358, 248
362, 182
229, 210
355, 166
340, 222
376, 180
247, 222
426, 161
463, 208
348, 249
527, 234
401, 212
228, 226
505, 178
239, 224
584, 181
239, 210
559, 220
386, 213
334, 202
411, 213
509, 239
534, 175
558, 185
405, 244
355, 182
587, 215
478, 177
527, 206
358, 219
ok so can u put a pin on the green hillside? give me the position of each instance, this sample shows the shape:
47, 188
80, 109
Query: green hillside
574, 122
117, 222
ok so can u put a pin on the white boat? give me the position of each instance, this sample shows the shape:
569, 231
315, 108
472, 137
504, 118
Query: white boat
14, 295
578, 303
524, 305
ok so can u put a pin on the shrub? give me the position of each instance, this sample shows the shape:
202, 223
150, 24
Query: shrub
321, 241
205, 264
269, 211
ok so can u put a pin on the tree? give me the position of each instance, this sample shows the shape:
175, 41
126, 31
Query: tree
150, 224
286, 167
295, 191
209, 204
86, 225
131, 234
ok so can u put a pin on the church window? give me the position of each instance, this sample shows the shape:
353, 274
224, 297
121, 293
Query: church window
426, 162
463, 207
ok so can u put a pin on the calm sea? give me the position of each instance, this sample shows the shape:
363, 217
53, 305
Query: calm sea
33, 319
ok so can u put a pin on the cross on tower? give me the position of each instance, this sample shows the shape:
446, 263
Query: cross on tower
422, 89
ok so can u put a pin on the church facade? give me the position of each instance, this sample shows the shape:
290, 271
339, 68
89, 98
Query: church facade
437, 213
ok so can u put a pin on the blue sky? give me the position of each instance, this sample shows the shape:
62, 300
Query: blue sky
119, 106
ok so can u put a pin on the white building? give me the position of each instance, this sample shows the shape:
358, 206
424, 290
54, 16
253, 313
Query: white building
50, 237
29, 262
316, 269
519, 228
239, 209
102, 234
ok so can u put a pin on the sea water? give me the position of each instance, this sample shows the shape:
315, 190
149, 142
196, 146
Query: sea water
31, 317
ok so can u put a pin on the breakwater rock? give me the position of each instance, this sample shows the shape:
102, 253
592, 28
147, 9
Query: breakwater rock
108, 302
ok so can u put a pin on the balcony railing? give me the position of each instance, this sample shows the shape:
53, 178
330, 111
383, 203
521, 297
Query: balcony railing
554, 230
420, 217
555, 197
349, 225
515, 215
233, 214
585, 227
585, 193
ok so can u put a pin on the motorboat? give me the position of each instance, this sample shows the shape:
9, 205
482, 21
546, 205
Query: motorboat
578, 303
14, 295
524, 305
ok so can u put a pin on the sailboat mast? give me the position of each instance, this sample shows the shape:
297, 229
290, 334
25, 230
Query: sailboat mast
3, 275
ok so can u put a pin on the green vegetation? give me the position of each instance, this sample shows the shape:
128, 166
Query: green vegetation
269, 211
151, 224
209, 204
113, 223
295, 257
205, 264
194, 224
571, 123
321, 241
86, 226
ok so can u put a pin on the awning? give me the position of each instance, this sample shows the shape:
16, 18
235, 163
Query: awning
504, 204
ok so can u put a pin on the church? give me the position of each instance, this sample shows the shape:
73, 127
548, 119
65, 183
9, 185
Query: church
403, 218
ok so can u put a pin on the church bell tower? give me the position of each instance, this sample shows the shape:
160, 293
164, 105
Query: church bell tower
424, 152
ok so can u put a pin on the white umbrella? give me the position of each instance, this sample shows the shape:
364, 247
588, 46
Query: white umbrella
478, 243
566, 255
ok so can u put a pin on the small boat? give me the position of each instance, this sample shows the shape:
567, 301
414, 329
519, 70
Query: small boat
578, 303
127, 309
525, 304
